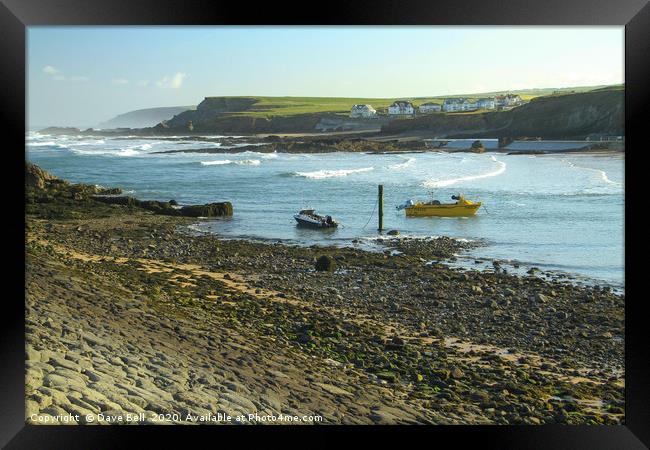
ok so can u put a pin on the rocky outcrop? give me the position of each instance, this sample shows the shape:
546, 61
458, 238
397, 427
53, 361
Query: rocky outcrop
206, 113
44, 188
208, 210
168, 208
37, 177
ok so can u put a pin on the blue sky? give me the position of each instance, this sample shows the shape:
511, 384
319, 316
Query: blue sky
81, 76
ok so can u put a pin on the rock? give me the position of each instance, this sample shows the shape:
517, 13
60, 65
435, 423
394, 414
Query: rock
37, 177
33, 378
393, 233
208, 210
333, 389
391, 377
456, 373
325, 264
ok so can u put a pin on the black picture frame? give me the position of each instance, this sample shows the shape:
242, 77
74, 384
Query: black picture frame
16, 15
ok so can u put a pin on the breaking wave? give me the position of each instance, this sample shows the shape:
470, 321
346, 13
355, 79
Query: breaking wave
320, 174
222, 162
216, 163
402, 165
249, 162
443, 183
602, 173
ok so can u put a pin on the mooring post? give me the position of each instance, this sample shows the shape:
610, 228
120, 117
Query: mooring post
380, 201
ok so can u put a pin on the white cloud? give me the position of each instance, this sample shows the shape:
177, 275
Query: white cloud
120, 81
173, 82
50, 70
57, 75
143, 83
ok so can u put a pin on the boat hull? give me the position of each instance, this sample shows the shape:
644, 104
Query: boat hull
313, 224
442, 210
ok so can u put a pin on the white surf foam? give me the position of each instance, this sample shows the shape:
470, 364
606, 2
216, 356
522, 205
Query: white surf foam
603, 176
249, 162
127, 152
402, 165
223, 162
501, 167
602, 173
320, 174
41, 144
219, 162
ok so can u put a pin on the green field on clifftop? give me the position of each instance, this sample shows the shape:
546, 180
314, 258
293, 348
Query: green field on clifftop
289, 106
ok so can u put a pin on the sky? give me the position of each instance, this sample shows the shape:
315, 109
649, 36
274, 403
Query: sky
80, 76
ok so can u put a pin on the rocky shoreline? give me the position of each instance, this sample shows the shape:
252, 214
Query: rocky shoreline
127, 312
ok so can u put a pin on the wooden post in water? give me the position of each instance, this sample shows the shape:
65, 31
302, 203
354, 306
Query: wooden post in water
380, 201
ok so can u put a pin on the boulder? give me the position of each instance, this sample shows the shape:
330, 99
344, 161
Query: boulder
325, 264
393, 233
477, 147
37, 177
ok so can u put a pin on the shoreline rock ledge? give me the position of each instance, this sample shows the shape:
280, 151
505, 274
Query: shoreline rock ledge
43, 187
219, 209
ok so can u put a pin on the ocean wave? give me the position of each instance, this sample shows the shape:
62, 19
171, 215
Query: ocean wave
443, 183
87, 142
602, 174
41, 144
118, 152
320, 174
223, 162
402, 165
249, 162
219, 162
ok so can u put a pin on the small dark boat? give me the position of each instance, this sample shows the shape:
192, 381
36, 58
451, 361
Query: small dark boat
308, 218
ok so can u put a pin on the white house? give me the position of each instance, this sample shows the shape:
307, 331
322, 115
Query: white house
486, 103
363, 111
401, 107
453, 104
508, 101
459, 104
469, 105
429, 107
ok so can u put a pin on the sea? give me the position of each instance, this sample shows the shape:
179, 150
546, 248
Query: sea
561, 213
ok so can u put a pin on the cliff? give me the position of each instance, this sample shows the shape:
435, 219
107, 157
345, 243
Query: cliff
570, 116
228, 115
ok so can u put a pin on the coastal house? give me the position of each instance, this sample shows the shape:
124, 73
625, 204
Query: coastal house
486, 103
508, 100
401, 108
459, 104
429, 107
363, 111
452, 104
469, 105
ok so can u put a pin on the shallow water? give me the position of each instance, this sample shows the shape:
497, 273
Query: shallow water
559, 212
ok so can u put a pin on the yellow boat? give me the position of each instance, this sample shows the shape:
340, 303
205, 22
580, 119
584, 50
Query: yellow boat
462, 208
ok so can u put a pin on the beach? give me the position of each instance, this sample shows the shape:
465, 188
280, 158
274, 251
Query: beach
129, 312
